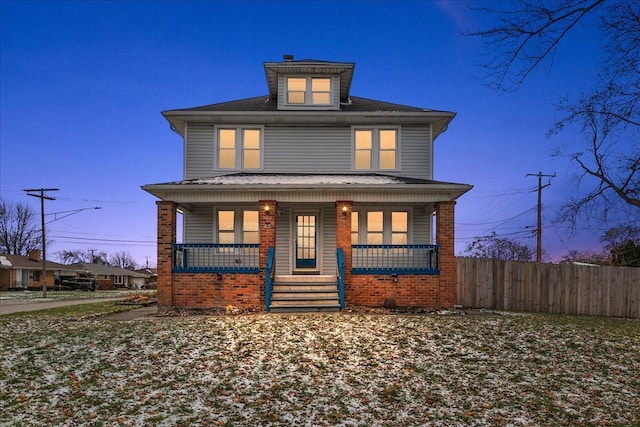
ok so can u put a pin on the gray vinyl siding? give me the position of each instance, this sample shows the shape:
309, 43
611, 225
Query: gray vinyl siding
199, 150
415, 152
283, 241
304, 150
329, 261
199, 225
421, 226
291, 149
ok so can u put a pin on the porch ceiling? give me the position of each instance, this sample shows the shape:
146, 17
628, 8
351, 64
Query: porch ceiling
244, 188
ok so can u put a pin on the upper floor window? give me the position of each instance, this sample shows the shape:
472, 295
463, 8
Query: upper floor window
239, 148
375, 149
309, 90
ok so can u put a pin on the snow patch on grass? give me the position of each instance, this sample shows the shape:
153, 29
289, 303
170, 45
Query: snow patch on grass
321, 370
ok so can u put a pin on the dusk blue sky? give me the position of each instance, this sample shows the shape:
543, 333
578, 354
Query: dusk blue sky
83, 85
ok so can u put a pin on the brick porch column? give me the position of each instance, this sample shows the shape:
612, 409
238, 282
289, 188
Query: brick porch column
343, 237
166, 237
267, 220
445, 238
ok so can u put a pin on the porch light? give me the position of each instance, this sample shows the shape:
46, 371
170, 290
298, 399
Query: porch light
345, 209
267, 209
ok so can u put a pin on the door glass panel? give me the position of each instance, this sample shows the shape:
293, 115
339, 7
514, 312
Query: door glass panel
305, 241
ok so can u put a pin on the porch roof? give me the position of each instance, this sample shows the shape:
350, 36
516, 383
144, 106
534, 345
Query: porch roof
287, 187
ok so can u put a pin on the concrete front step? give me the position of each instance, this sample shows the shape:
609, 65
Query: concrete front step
304, 288
305, 279
299, 308
282, 295
304, 293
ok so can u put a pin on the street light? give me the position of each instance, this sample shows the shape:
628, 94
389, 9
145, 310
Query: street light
69, 213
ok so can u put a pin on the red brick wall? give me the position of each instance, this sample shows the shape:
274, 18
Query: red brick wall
343, 237
412, 290
166, 237
445, 239
204, 290
267, 220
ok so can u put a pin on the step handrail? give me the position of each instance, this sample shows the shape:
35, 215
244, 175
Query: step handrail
340, 256
268, 279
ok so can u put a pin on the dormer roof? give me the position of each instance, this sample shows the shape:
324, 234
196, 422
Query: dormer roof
309, 67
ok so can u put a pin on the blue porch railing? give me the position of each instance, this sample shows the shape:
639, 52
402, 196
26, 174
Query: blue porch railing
395, 259
216, 258
268, 277
341, 277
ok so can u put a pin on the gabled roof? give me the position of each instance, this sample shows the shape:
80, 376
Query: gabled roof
21, 261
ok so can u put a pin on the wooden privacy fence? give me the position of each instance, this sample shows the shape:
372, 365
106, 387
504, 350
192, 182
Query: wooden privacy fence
548, 288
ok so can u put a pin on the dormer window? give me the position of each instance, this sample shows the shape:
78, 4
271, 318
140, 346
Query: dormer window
309, 90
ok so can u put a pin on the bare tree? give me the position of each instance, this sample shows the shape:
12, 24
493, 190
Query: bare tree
607, 115
123, 259
83, 256
526, 35
19, 229
494, 247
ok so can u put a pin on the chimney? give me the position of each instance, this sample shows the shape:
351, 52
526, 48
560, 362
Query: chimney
34, 255
288, 58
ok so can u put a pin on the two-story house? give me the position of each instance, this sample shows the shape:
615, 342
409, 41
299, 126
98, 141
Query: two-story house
307, 198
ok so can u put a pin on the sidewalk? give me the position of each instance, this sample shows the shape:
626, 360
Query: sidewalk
17, 306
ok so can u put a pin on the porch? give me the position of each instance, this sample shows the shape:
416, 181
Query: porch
304, 292
395, 240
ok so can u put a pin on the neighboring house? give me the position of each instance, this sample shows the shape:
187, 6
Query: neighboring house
152, 276
22, 272
111, 277
307, 198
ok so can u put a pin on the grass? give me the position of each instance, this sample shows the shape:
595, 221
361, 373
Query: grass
54, 295
62, 368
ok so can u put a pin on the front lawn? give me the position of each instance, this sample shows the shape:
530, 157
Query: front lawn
55, 295
320, 370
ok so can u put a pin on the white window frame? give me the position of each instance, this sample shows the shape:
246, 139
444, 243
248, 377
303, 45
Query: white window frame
118, 279
375, 147
387, 232
308, 91
239, 147
238, 224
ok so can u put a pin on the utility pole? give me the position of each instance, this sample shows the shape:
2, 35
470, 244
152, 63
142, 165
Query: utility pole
539, 227
42, 197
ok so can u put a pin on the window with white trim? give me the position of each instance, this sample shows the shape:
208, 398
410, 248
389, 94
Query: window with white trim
118, 279
226, 227
238, 226
375, 228
239, 148
380, 227
309, 90
375, 149
250, 227
354, 227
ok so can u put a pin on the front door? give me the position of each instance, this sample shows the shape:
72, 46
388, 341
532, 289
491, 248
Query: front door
306, 241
